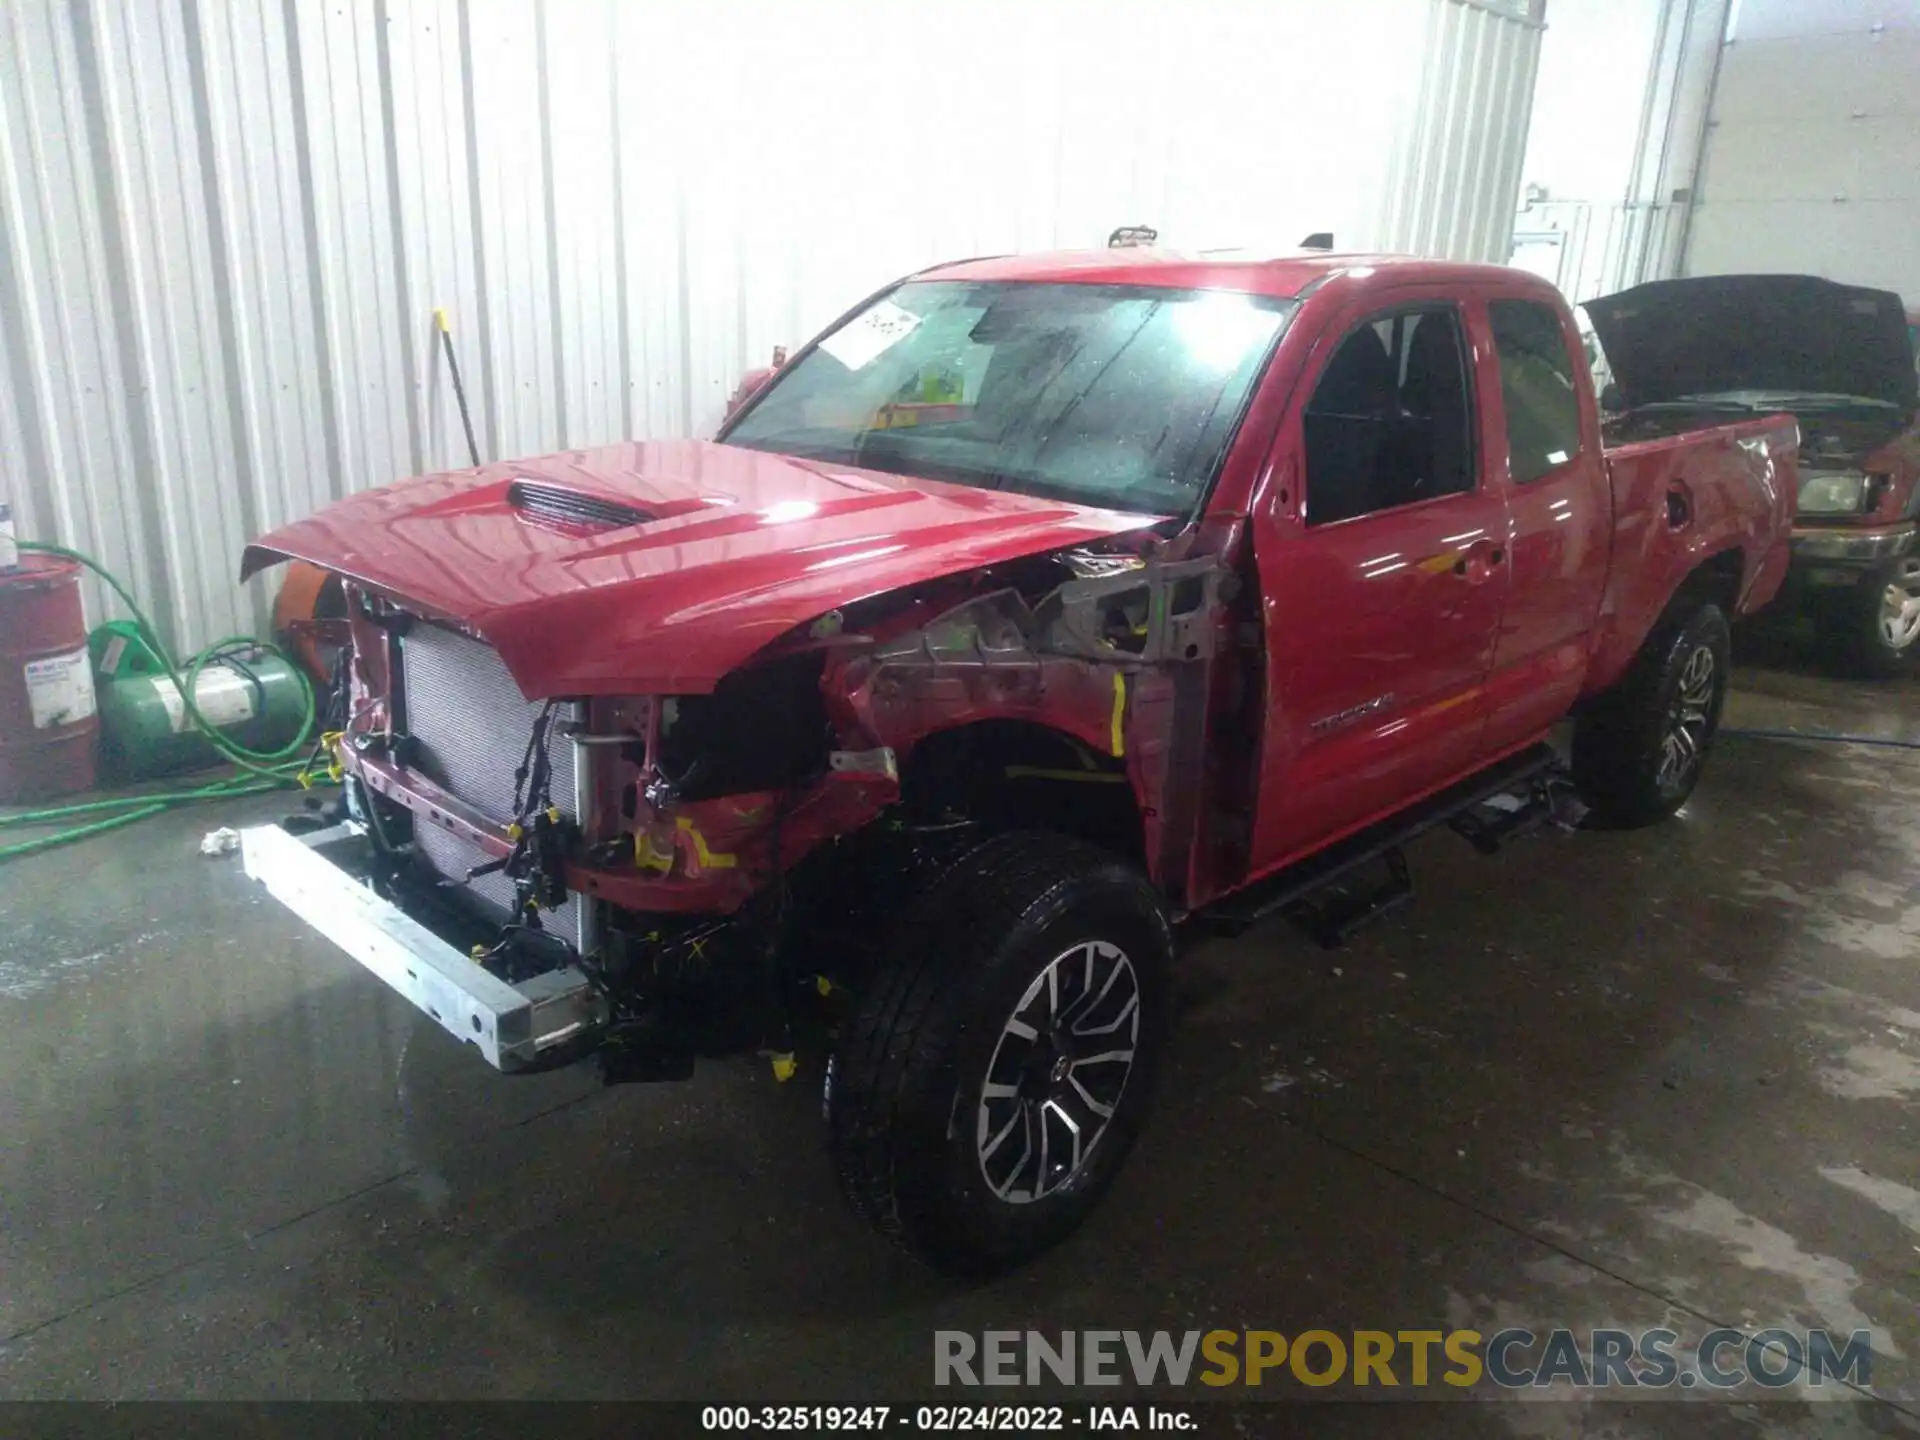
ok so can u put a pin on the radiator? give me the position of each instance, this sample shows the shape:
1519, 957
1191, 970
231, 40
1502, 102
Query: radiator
471, 724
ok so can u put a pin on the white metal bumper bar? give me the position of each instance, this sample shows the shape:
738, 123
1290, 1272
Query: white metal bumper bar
510, 1024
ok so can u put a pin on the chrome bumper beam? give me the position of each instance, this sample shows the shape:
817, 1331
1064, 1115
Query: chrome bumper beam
512, 1025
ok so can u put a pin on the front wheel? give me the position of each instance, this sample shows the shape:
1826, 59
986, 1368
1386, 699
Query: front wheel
1000, 1062
1876, 627
1640, 750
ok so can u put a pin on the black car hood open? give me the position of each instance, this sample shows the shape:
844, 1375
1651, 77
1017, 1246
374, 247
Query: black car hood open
1719, 333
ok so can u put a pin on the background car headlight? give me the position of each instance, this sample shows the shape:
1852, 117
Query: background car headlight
1833, 492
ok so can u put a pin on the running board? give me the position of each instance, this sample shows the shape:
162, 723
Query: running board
1549, 800
1336, 911
1330, 917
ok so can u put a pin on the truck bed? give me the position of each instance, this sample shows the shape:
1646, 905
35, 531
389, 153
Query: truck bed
1684, 498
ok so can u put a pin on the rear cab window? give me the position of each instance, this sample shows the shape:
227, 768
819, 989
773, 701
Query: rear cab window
1539, 392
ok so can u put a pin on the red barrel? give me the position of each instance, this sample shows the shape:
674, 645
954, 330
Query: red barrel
49, 732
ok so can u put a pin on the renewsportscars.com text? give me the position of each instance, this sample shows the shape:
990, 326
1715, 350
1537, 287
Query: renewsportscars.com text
1414, 1359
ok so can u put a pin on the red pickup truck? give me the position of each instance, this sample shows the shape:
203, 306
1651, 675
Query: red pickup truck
1038, 605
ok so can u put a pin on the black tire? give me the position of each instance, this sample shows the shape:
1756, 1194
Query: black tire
1624, 763
1855, 627
908, 1108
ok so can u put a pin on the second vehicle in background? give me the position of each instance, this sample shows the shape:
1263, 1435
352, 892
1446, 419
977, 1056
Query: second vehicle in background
1841, 360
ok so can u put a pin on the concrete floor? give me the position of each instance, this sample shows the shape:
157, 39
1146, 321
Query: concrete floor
1670, 1077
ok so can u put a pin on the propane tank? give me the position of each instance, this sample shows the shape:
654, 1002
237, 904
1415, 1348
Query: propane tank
252, 697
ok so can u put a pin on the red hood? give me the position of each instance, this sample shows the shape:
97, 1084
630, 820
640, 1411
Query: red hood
737, 548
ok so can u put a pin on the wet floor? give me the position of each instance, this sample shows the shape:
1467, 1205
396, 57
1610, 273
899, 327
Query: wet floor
1627, 1080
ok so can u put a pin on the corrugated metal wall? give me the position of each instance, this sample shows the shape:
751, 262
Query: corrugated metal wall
225, 224
1456, 175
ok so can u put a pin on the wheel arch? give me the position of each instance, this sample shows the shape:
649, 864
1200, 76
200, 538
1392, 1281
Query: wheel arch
1717, 579
1022, 774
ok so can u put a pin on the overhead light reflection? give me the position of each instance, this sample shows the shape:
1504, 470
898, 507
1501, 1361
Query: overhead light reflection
1381, 565
1217, 329
855, 558
783, 511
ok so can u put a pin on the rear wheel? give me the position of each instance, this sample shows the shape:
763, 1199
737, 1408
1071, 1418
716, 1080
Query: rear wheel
1640, 750
1875, 628
999, 1065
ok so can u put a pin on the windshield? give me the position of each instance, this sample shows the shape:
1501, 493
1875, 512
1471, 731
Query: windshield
1117, 396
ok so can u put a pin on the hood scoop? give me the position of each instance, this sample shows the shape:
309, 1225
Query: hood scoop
556, 505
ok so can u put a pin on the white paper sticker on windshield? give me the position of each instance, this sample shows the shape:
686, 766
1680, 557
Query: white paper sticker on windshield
856, 343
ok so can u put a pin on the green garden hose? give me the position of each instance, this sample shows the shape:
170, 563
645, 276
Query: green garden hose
142, 806
262, 770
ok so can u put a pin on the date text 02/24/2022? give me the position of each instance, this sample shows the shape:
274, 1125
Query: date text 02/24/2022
940, 1419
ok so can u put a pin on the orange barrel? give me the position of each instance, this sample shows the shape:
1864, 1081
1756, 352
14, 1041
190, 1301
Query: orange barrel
49, 732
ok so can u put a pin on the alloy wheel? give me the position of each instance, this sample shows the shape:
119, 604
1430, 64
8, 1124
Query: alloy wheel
1688, 720
1058, 1071
1900, 606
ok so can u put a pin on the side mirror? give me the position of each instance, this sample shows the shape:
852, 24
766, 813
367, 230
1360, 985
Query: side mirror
754, 381
1612, 400
750, 385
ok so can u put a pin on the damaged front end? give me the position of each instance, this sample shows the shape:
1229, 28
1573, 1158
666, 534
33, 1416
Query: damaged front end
650, 877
